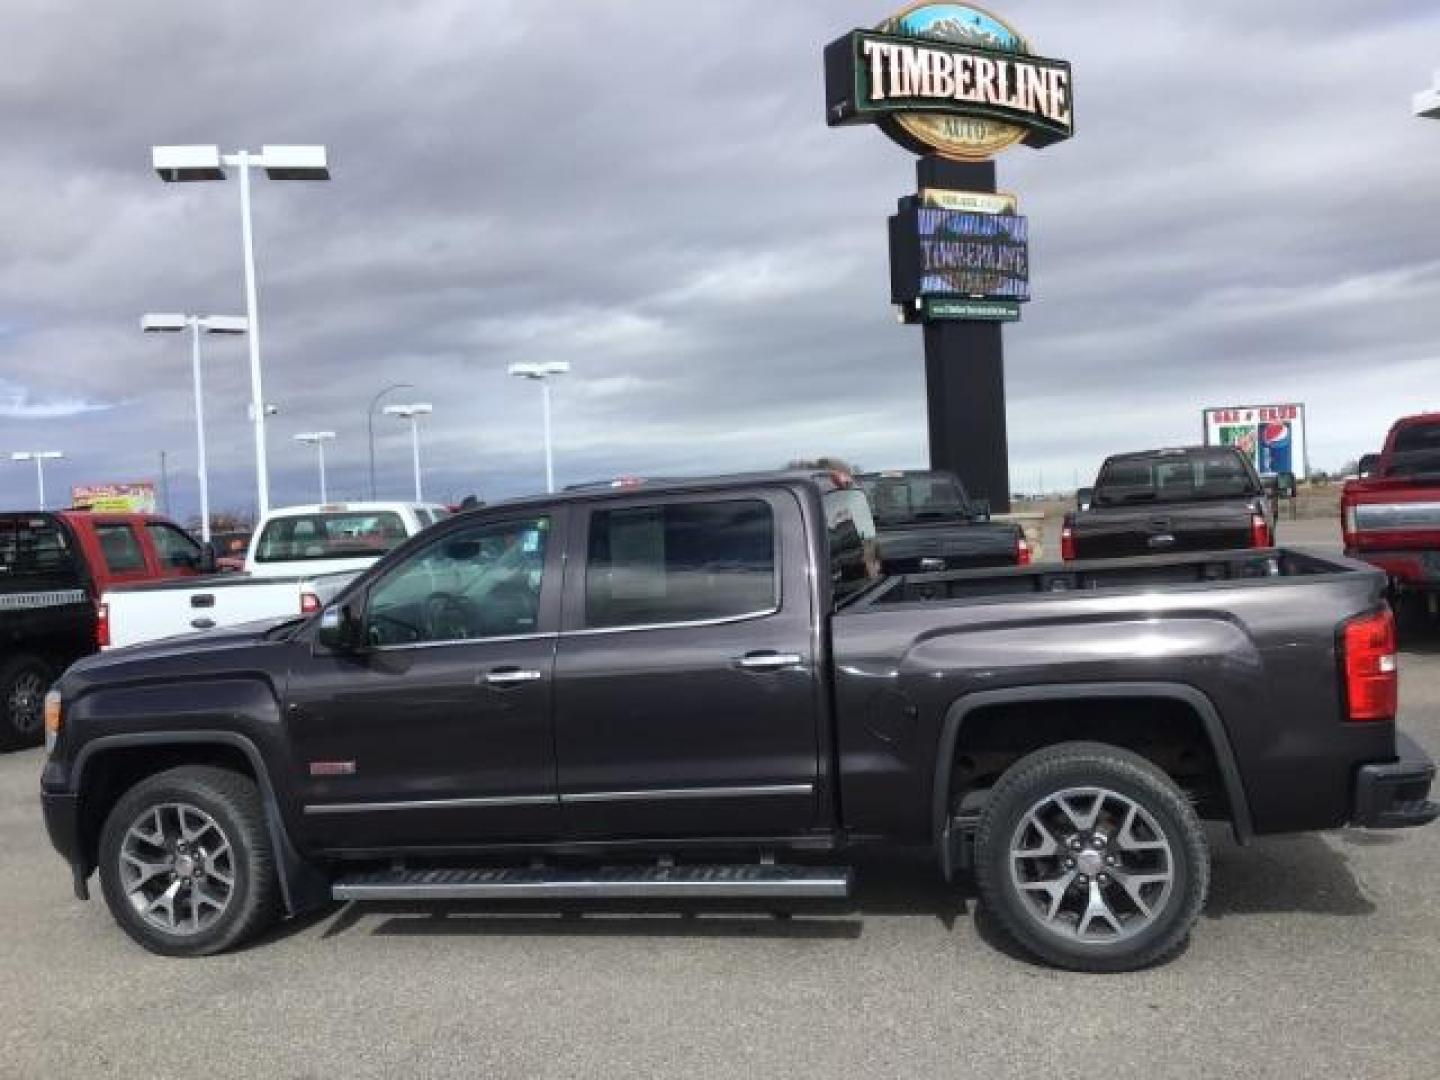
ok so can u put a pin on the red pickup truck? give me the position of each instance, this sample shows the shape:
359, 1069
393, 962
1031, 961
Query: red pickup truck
53, 569
1391, 518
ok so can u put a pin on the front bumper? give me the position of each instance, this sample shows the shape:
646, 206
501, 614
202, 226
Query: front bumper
1396, 794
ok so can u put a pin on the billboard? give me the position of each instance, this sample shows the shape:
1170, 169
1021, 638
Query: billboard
137, 498
1272, 437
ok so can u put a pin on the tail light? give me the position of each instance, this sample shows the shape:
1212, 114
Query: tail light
1372, 678
1260, 532
1067, 542
1022, 550
1349, 523
102, 626
309, 603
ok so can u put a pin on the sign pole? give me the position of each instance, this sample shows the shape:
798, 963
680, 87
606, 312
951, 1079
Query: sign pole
965, 372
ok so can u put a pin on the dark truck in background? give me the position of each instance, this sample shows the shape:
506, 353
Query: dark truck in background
1156, 502
53, 568
705, 689
927, 522
1391, 517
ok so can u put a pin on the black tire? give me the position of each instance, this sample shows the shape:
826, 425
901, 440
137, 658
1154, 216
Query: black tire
232, 804
23, 683
1168, 825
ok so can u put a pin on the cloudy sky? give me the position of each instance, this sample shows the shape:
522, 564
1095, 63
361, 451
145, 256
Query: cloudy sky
647, 189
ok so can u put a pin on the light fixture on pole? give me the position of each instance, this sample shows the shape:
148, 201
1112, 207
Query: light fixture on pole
1427, 102
318, 439
370, 426
542, 374
172, 322
413, 414
183, 164
39, 457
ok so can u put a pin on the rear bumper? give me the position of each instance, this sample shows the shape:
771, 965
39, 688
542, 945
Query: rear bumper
1418, 570
1396, 794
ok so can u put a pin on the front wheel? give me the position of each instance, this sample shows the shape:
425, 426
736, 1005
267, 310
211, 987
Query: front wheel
1091, 858
186, 862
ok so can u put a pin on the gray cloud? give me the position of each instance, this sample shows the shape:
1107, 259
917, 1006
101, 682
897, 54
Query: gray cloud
649, 191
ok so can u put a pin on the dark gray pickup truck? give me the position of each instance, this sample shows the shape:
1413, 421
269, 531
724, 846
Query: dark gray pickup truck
927, 522
1158, 502
704, 689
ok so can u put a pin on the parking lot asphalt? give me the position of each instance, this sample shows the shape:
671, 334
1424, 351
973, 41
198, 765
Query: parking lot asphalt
1317, 955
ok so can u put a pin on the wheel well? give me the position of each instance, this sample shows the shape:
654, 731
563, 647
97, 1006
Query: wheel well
1167, 732
112, 773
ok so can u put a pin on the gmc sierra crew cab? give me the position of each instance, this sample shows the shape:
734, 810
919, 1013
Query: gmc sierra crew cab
706, 689
1155, 502
1391, 519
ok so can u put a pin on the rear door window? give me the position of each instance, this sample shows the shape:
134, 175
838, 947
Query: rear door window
120, 547
177, 551
681, 562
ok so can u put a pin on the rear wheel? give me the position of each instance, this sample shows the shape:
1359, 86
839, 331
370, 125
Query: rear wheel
186, 862
23, 683
1091, 858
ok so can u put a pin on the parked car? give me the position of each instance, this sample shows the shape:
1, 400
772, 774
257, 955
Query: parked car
705, 689
1157, 502
53, 567
927, 522
1391, 518
298, 558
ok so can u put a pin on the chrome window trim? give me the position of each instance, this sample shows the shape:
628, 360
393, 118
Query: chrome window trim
660, 794
744, 616
452, 642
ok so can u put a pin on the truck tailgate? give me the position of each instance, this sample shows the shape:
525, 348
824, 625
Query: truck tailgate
149, 612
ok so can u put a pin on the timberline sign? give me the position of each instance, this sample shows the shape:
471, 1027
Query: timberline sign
948, 79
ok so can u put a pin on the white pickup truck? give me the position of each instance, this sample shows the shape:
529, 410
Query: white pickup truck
298, 558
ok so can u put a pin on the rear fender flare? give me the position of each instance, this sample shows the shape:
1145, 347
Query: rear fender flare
1209, 717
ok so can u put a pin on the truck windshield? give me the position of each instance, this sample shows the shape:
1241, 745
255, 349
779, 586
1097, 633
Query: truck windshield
1416, 452
352, 535
906, 498
1187, 477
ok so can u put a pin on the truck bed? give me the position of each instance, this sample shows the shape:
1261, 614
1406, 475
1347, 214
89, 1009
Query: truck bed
1204, 568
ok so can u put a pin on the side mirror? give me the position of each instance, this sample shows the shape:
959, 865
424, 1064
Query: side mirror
341, 629
206, 563
1367, 465
1083, 498
979, 509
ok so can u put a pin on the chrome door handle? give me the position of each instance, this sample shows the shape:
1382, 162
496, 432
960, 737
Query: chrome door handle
769, 661
511, 676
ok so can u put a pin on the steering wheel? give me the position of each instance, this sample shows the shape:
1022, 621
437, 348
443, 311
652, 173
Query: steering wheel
447, 617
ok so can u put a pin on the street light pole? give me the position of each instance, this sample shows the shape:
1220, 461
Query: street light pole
318, 439
413, 414
252, 313
39, 457
370, 426
178, 164
171, 322
542, 374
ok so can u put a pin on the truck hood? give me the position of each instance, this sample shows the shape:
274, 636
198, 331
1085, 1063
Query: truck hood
183, 645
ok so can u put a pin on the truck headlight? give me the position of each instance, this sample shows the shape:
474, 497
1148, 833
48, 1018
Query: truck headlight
52, 720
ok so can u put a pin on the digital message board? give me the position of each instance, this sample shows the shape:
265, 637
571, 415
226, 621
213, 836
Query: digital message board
938, 253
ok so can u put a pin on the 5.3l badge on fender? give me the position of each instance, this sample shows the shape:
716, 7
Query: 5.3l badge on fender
948, 79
